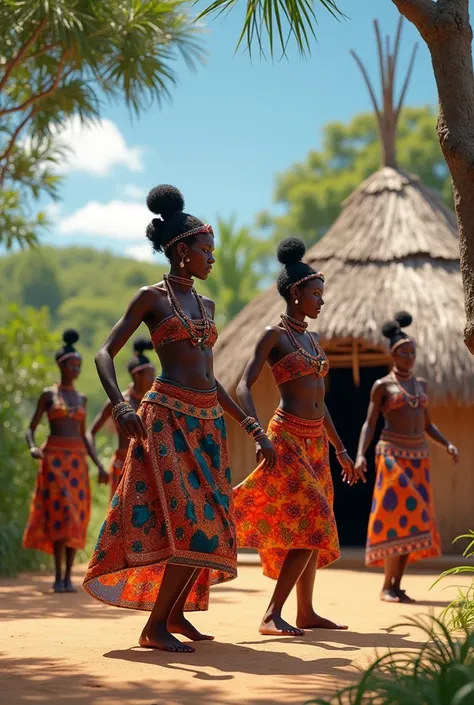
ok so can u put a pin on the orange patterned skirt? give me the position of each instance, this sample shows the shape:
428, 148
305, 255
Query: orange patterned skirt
290, 506
116, 469
60, 508
173, 505
402, 519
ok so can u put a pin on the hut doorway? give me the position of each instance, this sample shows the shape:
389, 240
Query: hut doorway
347, 405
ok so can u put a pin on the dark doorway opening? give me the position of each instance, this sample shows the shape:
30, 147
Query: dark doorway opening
347, 405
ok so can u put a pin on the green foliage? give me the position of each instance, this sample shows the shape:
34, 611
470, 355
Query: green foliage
59, 58
459, 615
312, 192
237, 273
441, 672
26, 364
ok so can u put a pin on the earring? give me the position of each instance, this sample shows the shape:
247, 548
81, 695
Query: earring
181, 264
296, 301
187, 259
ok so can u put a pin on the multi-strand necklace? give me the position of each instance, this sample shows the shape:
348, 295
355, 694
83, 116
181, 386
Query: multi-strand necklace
70, 410
413, 400
200, 330
318, 360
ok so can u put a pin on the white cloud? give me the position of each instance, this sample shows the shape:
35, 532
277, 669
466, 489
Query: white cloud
120, 220
134, 192
142, 253
97, 147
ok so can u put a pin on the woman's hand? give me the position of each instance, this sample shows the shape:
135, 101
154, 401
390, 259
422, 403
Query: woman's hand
103, 475
131, 426
36, 453
265, 450
453, 452
348, 471
360, 468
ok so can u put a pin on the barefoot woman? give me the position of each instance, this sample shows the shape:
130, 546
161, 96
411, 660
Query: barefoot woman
169, 532
402, 525
60, 508
287, 511
143, 376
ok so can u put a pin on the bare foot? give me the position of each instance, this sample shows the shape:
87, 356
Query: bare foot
405, 598
274, 625
314, 621
58, 586
158, 637
180, 625
68, 586
390, 595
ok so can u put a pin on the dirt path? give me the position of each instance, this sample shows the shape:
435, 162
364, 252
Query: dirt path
71, 650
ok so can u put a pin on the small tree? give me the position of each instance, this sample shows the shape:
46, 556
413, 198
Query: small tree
60, 58
444, 25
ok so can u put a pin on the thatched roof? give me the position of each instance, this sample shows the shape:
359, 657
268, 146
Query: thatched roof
394, 246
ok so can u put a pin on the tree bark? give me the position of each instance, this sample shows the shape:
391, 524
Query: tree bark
445, 27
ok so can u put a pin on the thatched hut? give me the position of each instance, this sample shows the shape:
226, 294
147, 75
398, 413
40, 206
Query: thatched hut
394, 246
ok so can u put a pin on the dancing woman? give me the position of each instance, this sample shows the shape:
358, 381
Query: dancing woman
286, 511
402, 526
60, 507
169, 532
143, 373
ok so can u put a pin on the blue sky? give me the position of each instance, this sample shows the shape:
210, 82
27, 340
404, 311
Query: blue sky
228, 130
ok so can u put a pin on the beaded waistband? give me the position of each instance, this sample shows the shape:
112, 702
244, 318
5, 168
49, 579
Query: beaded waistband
75, 444
402, 446
202, 404
307, 428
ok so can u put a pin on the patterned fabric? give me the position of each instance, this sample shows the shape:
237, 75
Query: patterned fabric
60, 507
290, 506
402, 519
173, 505
398, 400
115, 469
171, 330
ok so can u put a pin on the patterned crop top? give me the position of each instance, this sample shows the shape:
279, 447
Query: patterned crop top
172, 330
60, 410
295, 365
398, 400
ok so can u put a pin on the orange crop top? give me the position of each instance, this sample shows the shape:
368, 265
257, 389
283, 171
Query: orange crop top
398, 400
172, 330
295, 365
59, 410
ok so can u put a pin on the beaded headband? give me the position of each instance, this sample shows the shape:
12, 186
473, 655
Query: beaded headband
402, 341
139, 368
69, 354
188, 233
316, 275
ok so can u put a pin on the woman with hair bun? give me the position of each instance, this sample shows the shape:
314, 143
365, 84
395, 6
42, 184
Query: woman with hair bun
287, 511
169, 532
143, 373
60, 508
402, 526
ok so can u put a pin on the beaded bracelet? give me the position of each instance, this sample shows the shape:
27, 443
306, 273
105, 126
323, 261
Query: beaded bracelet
340, 452
123, 407
247, 421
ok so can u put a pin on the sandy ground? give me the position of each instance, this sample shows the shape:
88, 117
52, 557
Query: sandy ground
70, 649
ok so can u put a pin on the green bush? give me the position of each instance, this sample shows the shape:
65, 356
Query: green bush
459, 614
440, 673
26, 366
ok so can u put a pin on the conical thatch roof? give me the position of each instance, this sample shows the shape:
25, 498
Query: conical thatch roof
394, 246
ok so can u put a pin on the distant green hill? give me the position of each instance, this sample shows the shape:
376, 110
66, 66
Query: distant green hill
84, 289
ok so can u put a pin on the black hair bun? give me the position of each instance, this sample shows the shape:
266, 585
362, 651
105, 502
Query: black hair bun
390, 328
403, 319
142, 344
290, 251
165, 200
70, 336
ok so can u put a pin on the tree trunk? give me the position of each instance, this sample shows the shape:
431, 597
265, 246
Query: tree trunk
445, 27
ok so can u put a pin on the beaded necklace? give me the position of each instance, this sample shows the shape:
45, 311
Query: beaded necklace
413, 400
299, 326
62, 403
199, 331
318, 360
181, 281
